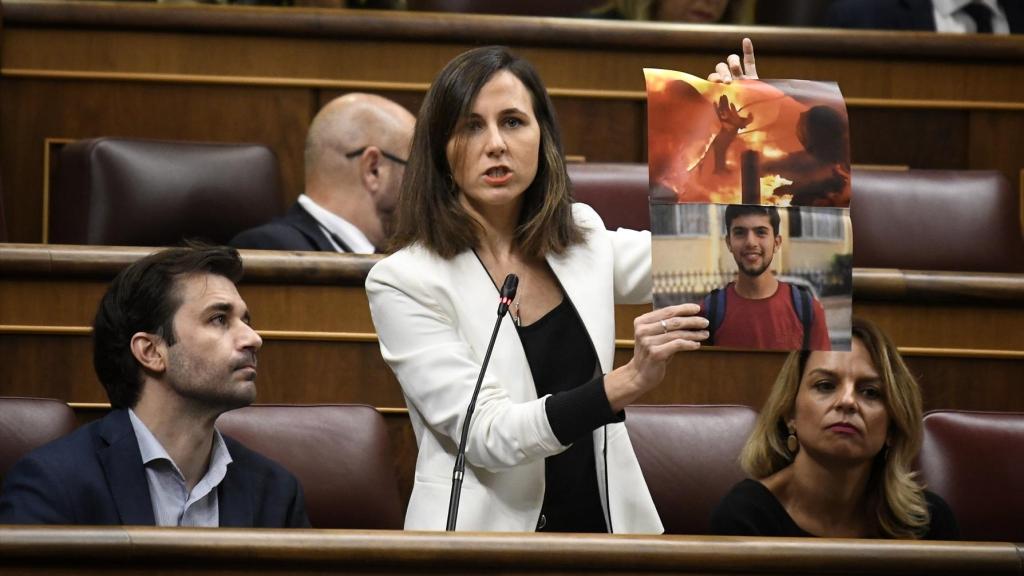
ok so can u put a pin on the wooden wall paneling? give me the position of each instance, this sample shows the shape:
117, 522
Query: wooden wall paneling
299, 372
918, 138
713, 377
311, 371
276, 117
603, 130
309, 308
49, 366
996, 141
37, 302
947, 326
734, 377
961, 331
969, 383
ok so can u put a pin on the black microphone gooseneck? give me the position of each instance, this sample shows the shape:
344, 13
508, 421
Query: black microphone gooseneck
508, 293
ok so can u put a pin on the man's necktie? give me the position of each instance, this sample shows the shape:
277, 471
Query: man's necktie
982, 16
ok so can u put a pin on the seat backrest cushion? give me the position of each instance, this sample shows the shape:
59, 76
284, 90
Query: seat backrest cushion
953, 220
974, 461
618, 192
340, 454
123, 192
28, 423
690, 458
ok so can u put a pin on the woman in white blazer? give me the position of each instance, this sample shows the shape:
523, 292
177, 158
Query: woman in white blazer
485, 194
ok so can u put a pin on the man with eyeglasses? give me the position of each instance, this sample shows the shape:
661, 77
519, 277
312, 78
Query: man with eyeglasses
356, 150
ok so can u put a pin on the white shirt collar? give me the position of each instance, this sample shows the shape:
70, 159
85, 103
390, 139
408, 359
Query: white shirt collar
948, 7
950, 17
151, 449
334, 224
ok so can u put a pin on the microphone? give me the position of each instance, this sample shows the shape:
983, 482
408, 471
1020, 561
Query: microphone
508, 294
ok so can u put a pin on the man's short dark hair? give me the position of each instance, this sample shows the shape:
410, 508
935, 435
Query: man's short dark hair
734, 211
144, 298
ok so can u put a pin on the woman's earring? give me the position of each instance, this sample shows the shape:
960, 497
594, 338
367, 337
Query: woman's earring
449, 182
791, 444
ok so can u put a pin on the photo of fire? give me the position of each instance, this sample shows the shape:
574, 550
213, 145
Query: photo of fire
768, 142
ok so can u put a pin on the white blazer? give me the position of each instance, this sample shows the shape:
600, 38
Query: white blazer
434, 318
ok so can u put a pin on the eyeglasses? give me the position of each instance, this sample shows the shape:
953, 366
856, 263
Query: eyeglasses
391, 157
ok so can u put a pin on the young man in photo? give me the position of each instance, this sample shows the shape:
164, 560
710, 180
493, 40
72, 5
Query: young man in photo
757, 310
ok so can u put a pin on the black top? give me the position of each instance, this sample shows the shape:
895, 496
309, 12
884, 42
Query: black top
750, 509
563, 364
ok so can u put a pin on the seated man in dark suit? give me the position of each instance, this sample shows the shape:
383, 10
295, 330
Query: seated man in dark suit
174, 350
958, 16
356, 150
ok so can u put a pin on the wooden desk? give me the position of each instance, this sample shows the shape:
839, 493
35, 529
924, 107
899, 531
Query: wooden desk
961, 333
79, 70
165, 551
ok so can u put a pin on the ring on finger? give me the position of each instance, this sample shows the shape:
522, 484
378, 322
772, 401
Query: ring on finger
664, 326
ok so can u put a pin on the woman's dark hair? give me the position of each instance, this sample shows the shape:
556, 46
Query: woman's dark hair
429, 211
144, 298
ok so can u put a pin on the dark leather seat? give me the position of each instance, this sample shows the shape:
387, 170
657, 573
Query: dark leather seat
339, 452
28, 423
973, 460
124, 192
690, 458
617, 191
958, 220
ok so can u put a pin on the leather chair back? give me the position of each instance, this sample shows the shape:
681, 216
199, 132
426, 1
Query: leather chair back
974, 461
690, 458
340, 454
618, 192
28, 423
124, 192
956, 220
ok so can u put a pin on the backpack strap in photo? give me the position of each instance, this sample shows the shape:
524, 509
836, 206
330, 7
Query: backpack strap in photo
714, 311
804, 310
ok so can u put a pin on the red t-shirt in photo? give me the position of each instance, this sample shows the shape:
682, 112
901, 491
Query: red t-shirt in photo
769, 323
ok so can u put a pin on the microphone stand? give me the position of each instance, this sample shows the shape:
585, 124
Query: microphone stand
508, 293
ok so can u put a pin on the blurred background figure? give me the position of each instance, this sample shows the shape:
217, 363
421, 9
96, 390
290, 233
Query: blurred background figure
356, 150
692, 11
956, 16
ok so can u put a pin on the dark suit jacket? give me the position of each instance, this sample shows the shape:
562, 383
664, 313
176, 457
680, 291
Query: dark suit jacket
95, 476
903, 14
296, 230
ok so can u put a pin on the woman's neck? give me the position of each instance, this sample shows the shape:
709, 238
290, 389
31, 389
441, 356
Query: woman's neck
497, 223
824, 499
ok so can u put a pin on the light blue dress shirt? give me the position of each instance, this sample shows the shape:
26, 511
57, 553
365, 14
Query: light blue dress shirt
173, 504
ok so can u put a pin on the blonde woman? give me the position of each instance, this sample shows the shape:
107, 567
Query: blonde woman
831, 452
